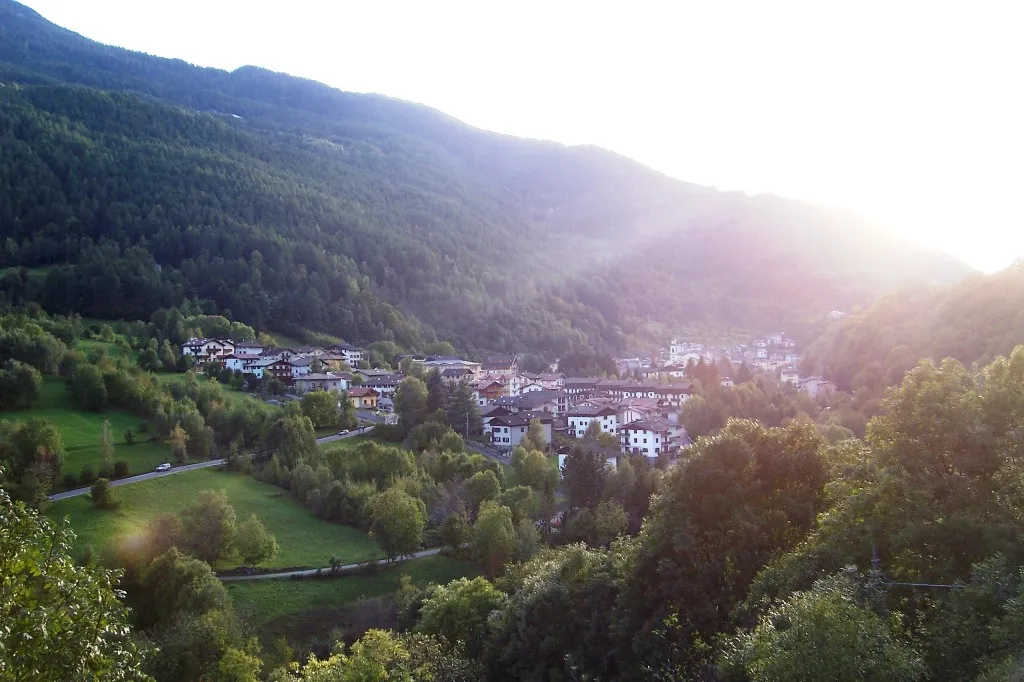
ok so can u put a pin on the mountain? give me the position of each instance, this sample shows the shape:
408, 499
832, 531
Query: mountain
129, 182
975, 321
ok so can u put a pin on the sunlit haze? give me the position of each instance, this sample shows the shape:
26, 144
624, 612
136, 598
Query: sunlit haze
907, 113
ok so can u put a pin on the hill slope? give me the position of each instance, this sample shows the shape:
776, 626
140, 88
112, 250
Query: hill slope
296, 206
977, 320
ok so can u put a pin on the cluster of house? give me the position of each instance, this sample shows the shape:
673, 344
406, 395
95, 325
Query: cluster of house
774, 353
295, 367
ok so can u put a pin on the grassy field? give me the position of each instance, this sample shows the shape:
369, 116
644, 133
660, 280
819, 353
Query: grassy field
304, 540
267, 600
284, 341
89, 345
350, 443
230, 395
81, 431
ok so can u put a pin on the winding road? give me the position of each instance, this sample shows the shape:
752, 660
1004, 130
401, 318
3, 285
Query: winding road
177, 470
326, 569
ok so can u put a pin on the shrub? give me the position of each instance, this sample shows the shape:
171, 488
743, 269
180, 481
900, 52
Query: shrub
88, 475
122, 469
103, 494
129, 437
70, 480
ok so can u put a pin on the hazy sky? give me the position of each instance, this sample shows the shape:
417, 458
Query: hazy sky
909, 113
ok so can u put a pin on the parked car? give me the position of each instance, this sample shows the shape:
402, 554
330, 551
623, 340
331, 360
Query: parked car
343, 432
166, 466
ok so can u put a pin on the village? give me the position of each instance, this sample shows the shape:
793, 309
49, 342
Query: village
639, 412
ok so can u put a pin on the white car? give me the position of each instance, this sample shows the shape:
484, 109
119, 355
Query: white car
166, 466
343, 432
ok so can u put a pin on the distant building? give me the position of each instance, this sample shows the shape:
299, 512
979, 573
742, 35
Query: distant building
506, 365
652, 437
508, 431
322, 382
580, 419
353, 355
363, 397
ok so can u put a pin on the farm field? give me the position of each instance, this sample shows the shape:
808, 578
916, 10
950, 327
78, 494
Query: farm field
266, 600
304, 540
81, 430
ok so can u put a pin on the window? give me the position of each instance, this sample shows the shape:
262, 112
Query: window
636, 440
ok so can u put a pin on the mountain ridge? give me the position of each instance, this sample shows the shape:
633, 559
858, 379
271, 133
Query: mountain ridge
437, 228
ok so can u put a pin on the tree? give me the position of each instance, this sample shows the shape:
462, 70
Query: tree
179, 444
102, 494
610, 521
87, 388
19, 385
253, 542
173, 585
209, 526
527, 540
493, 537
107, 447
29, 443
738, 500
59, 621
454, 531
397, 522
168, 357
824, 633
410, 403
534, 470
383, 656
437, 392
463, 411
482, 486
584, 476
458, 612
321, 407
534, 438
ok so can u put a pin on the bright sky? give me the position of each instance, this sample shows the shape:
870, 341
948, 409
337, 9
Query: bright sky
909, 113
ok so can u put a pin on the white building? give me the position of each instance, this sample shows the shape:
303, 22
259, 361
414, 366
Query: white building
507, 431
241, 362
207, 350
353, 355
328, 381
816, 387
580, 419
301, 366
652, 437
790, 375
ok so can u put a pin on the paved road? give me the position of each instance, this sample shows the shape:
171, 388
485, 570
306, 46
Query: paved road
353, 432
177, 470
141, 477
312, 571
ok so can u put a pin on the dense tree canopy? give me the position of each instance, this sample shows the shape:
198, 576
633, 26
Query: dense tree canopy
298, 207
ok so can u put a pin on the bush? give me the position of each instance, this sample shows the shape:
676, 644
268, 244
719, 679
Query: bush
143, 427
122, 469
129, 437
106, 471
88, 475
103, 494
70, 480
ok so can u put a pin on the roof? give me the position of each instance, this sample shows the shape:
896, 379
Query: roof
494, 410
647, 425
581, 381
321, 376
537, 398
248, 344
195, 342
500, 362
302, 362
244, 356
591, 411
456, 371
361, 392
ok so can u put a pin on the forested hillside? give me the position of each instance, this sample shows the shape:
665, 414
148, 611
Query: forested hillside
975, 321
133, 182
